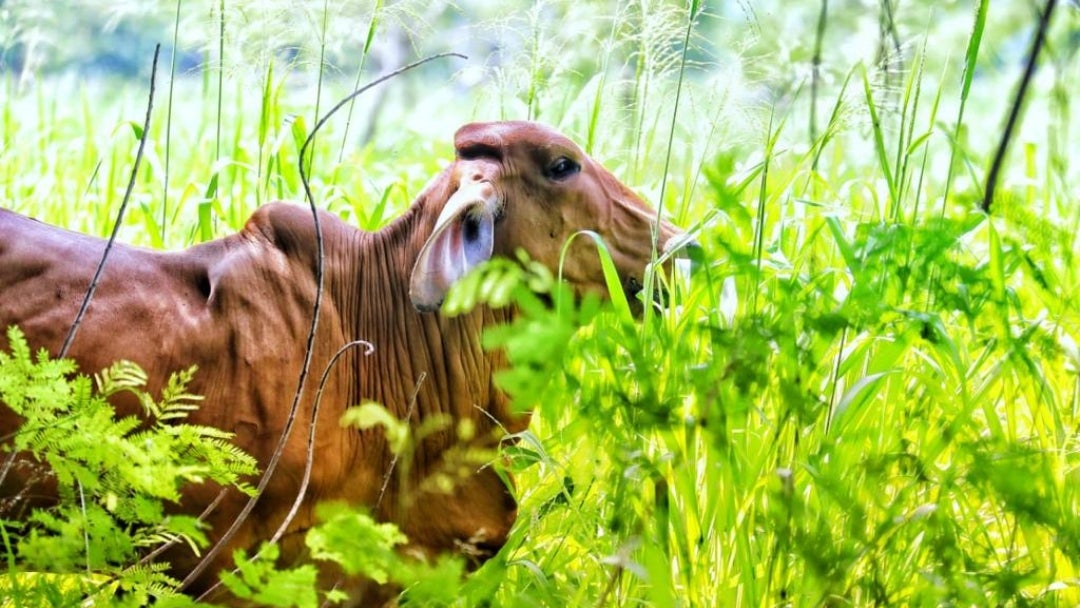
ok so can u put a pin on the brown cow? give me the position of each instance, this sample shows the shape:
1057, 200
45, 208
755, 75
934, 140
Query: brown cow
240, 308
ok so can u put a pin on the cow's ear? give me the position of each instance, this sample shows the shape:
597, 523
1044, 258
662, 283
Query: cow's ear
463, 237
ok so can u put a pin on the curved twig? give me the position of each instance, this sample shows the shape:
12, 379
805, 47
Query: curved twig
119, 215
271, 466
310, 459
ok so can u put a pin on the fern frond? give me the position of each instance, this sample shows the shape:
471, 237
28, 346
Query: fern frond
176, 402
143, 583
24, 383
120, 376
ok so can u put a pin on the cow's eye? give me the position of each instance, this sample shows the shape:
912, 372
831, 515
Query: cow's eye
562, 168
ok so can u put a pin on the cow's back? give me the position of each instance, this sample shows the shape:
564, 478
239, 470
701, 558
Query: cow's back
239, 308
238, 297
45, 272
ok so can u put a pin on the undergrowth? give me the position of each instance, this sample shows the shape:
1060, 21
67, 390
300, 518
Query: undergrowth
868, 393
115, 478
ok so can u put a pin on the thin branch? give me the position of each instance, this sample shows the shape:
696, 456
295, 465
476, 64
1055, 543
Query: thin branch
394, 460
1018, 101
275, 458
355, 94
119, 215
8, 463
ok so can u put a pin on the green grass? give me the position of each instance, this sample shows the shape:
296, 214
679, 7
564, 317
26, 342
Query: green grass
870, 395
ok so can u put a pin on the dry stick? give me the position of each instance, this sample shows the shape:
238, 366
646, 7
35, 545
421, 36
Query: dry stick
119, 216
1014, 114
108, 247
8, 463
271, 466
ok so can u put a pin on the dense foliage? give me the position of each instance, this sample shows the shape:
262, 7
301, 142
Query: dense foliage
114, 477
869, 393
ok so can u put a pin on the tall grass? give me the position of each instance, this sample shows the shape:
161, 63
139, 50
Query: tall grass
867, 395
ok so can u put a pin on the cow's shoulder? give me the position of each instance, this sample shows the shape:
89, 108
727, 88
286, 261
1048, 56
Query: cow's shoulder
290, 227
274, 253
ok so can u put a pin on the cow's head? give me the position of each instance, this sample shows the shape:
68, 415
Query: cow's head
523, 185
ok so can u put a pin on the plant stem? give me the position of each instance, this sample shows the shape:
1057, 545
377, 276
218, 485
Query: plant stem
815, 76
168, 124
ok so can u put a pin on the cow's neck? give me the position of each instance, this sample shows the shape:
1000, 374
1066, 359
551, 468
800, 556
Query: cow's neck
423, 365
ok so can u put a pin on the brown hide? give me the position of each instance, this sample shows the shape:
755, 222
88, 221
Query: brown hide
240, 308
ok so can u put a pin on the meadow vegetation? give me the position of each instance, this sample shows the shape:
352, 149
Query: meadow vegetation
867, 394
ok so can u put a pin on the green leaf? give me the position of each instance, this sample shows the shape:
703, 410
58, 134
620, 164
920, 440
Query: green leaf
299, 131
611, 275
258, 580
206, 222
971, 56
856, 396
370, 415
356, 542
113, 475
